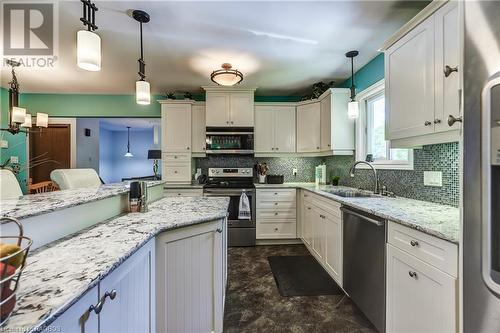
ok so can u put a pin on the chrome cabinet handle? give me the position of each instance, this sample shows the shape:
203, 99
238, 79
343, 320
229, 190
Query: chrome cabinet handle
448, 70
437, 121
218, 230
452, 120
414, 243
98, 307
427, 123
412, 274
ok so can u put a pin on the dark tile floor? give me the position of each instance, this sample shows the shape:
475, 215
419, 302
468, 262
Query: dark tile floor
253, 303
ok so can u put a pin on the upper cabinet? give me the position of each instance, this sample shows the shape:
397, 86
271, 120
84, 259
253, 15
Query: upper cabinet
198, 129
422, 81
309, 128
176, 126
274, 129
229, 107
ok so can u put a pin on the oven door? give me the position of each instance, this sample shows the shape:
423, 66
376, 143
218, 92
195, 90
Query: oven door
234, 204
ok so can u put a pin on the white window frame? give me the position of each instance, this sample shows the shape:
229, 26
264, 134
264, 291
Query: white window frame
361, 131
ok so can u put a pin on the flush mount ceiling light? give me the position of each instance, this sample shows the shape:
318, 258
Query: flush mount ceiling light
88, 43
128, 153
142, 87
226, 76
353, 105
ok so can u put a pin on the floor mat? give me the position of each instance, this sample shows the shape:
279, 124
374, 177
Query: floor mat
302, 276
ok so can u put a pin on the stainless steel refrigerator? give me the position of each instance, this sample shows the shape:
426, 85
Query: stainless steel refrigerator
481, 175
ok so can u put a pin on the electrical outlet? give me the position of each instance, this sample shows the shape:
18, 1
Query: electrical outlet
433, 178
294, 171
14, 159
4, 144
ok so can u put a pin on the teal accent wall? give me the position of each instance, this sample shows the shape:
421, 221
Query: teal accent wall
367, 75
17, 143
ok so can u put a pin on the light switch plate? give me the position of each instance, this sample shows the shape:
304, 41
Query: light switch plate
4, 144
433, 178
14, 159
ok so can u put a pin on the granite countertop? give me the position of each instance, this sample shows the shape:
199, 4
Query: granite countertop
58, 274
434, 219
37, 204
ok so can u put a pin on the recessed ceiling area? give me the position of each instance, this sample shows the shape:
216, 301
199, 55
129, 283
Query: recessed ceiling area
281, 47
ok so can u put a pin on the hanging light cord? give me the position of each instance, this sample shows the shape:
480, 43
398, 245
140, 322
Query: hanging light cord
142, 63
128, 139
353, 87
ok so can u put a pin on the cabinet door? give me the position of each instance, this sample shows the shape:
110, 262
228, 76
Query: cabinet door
217, 109
242, 108
308, 128
133, 308
333, 246
326, 123
318, 232
307, 223
198, 129
176, 127
284, 129
447, 54
78, 318
420, 298
409, 79
190, 279
264, 129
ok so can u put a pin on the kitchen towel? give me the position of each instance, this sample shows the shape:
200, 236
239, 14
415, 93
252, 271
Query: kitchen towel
244, 212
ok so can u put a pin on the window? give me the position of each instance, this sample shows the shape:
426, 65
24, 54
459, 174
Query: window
371, 132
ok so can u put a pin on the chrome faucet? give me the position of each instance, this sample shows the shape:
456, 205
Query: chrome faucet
353, 168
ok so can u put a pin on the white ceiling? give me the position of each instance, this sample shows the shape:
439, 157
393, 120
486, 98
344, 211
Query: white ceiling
135, 124
281, 47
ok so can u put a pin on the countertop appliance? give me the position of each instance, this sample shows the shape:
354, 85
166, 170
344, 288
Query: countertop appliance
138, 197
231, 182
223, 140
481, 171
364, 263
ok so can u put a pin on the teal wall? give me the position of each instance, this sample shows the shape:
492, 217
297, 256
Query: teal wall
367, 75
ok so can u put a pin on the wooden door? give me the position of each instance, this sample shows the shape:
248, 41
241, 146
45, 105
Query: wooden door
217, 109
284, 129
264, 129
308, 128
242, 109
409, 83
52, 144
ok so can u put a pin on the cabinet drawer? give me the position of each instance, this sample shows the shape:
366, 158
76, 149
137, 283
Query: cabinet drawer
174, 192
434, 251
176, 157
276, 230
276, 195
276, 205
177, 171
276, 214
328, 205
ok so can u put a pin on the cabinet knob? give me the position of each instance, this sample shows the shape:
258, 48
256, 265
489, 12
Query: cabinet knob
275, 229
277, 148
175, 157
276, 204
187, 148
317, 147
437, 121
276, 214
328, 145
275, 193
452, 120
175, 171
427, 123
232, 122
414, 243
412, 274
448, 70
308, 207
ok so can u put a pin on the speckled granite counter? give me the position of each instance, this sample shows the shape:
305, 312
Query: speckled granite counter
58, 274
37, 204
433, 219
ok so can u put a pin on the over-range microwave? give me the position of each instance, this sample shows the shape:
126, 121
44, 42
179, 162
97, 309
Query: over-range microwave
223, 140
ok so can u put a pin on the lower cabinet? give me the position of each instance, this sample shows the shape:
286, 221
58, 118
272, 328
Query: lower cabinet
191, 278
124, 301
276, 214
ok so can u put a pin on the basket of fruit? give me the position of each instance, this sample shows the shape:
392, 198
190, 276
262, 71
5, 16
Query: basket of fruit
13, 253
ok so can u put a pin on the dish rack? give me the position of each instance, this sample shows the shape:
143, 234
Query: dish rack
9, 274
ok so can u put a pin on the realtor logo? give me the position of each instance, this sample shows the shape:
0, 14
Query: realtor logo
29, 33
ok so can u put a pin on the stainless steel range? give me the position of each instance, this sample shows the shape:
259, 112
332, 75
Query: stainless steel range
231, 182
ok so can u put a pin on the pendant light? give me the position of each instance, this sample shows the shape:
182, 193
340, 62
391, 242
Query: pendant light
226, 76
88, 43
142, 87
128, 153
353, 105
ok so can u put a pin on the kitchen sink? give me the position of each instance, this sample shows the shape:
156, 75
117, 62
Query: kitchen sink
350, 193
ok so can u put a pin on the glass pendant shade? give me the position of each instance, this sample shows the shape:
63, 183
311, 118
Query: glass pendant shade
27, 121
88, 50
42, 120
226, 76
128, 154
353, 109
142, 92
18, 115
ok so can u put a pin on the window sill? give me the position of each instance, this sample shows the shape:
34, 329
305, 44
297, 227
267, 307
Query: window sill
387, 166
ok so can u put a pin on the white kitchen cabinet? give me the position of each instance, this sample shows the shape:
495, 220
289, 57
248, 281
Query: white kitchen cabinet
306, 222
333, 238
176, 126
318, 233
233, 107
309, 128
420, 297
183, 192
191, 278
133, 283
198, 129
326, 118
274, 129
337, 130
276, 214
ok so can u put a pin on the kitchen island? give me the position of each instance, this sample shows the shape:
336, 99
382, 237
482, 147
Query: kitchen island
65, 276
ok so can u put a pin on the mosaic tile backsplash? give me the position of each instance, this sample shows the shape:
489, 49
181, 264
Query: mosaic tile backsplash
405, 183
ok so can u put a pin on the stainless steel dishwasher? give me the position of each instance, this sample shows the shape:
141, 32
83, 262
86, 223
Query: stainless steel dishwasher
364, 263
